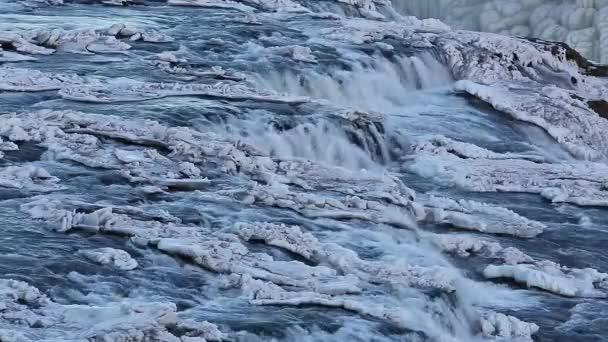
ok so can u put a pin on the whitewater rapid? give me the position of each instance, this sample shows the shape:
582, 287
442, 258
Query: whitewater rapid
215, 170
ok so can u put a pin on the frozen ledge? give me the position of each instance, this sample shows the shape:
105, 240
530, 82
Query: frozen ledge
35, 317
102, 90
554, 278
563, 114
580, 183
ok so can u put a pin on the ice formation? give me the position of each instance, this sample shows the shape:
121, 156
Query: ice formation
225, 254
170, 63
466, 246
578, 183
272, 162
522, 268
503, 326
554, 109
103, 40
129, 90
36, 317
28, 178
98, 90
110, 256
245, 5
63, 133
581, 24
481, 217
17, 79
553, 277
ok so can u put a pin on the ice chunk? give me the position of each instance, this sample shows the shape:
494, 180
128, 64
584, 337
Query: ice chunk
16, 79
552, 277
290, 238
110, 256
481, 217
28, 178
504, 326
34, 315
573, 182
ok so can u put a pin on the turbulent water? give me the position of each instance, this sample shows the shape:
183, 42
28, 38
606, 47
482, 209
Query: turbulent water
198, 170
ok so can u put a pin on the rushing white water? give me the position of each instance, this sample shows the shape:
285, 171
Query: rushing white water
264, 170
324, 142
368, 82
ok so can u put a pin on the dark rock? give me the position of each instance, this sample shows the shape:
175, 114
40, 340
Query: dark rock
600, 107
562, 49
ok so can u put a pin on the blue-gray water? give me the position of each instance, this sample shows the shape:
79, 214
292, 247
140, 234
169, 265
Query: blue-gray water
344, 75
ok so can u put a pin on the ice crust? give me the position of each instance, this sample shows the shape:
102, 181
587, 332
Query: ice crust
35, 317
481, 217
546, 84
576, 182
169, 62
110, 256
522, 268
562, 113
103, 40
372, 9
507, 327
412, 285
337, 276
28, 178
100, 90
578, 23
553, 277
